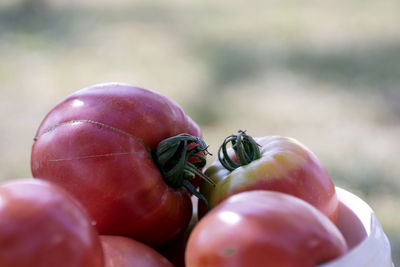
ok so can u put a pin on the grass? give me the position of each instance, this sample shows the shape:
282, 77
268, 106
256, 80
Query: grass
326, 73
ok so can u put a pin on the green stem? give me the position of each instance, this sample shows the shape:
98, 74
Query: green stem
245, 147
179, 164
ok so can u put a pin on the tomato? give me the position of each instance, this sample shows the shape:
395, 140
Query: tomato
42, 225
128, 154
264, 228
120, 251
271, 163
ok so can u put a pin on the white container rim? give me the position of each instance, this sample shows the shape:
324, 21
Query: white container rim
374, 248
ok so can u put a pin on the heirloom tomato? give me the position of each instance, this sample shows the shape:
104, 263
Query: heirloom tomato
264, 228
42, 225
120, 251
128, 154
270, 163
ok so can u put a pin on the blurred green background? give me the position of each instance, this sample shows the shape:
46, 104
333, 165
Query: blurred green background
324, 72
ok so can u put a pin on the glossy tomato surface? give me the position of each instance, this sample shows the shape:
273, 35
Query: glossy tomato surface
120, 251
285, 166
98, 143
41, 225
264, 228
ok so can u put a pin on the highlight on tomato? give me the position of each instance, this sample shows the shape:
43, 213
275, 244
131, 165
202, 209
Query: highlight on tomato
270, 163
42, 225
264, 228
130, 155
120, 251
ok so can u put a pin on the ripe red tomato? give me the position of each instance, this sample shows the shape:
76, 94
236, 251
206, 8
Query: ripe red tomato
116, 148
41, 225
264, 228
120, 251
271, 163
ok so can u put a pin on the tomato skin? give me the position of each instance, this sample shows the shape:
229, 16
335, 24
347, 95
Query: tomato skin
285, 166
98, 142
42, 225
264, 228
126, 252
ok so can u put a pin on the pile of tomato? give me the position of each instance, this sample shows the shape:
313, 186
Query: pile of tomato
120, 178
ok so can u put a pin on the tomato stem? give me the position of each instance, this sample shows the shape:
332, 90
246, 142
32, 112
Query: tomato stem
245, 147
179, 161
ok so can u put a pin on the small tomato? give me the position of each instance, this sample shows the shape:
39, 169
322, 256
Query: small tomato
270, 163
263, 228
42, 225
120, 251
